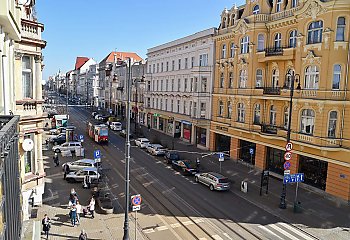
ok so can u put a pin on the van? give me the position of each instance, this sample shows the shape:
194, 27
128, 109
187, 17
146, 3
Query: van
116, 126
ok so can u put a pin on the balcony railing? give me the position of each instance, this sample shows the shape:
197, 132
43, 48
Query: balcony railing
268, 128
272, 90
274, 51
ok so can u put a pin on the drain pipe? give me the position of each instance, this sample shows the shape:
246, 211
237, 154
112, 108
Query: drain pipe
4, 92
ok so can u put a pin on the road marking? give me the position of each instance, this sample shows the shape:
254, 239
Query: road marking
202, 239
269, 231
284, 232
175, 225
150, 230
200, 220
162, 228
304, 236
187, 223
226, 235
217, 237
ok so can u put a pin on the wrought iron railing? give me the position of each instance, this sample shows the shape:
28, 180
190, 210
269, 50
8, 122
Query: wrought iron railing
274, 51
272, 90
268, 128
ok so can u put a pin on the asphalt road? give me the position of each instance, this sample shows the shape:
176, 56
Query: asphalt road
175, 206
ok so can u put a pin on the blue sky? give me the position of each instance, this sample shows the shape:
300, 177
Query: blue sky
93, 28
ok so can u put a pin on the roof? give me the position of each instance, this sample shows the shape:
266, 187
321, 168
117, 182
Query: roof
121, 56
80, 61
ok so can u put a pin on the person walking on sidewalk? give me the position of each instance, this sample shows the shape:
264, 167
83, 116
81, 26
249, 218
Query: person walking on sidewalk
92, 207
46, 222
56, 160
73, 214
66, 171
83, 235
79, 210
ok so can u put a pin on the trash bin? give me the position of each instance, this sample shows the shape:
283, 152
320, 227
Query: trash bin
297, 207
244, 186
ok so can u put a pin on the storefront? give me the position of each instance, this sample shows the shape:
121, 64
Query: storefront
201, 137
149, 119
315, 171
275, 160
169, 126
186, 130
154, 122
245, 154
177, 132
222, 142
161, 123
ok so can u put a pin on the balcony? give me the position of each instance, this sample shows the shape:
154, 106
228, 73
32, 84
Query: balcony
31, 31
272, 90
269, 129
275, 51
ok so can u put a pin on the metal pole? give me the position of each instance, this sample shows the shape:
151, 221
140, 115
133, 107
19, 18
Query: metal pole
296, 193
127, 157
220, 166
67, 81
136, 110
135, 225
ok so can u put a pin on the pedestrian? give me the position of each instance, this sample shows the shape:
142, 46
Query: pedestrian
73, 214
149, 127
197, 164
83, 235
46, 222
78, 207
92, 207
56, 160
66, 170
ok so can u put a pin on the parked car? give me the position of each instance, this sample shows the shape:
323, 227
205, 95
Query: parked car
155, 149
59, 139
186, 167
215, 181
123, 134
93, 114
80, 164
78, 176
142, 142
59, 130
116, 126
171, 156
97, 115
66, 146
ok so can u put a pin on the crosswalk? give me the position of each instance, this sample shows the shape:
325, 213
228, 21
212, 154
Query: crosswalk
275, 231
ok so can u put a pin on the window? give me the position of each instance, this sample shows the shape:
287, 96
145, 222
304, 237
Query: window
191, 86
161, 104
273, 115
173, 65
149, 69
154, 67
257, 114
172, 105
261, 42
221, 109
172, 85
27, 80
162, 67
244, 44
230, 82
167, 66
278, 40
195, 85
179, 85
186, 63
190, 109
192, 62
185, 90
232, 50
223, 22
259, 78
336, 77
204, 84
294, 3
222, 80
167, 85
149, 86
340, 29
307, 121
179, 64
311, 77
157, 67
223, 51
314, 32
29, 155
229, 109
203, 60
286, 118
288, 81
275, 78
185, 107
161, 85
203, 109
256, 9
243, 77
279, 5
293, 39
178, 106
240, 113
195, 109
332, 124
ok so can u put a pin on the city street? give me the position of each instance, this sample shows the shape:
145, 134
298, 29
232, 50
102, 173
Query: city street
175, 206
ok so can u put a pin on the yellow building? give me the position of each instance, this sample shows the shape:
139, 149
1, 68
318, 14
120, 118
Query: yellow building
261, 48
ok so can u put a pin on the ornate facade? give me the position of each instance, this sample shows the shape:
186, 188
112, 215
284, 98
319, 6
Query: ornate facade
261, 48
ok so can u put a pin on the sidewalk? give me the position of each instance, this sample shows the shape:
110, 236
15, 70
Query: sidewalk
319, 210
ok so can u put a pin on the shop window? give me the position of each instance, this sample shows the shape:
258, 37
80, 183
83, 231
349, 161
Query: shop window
275, 160
315, 171
307, 121
340, 29
332, 124
314, 32
244, 153
312, 76
336, 77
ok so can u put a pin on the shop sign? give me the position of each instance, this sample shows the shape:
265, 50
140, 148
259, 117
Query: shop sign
156, 114
185, 122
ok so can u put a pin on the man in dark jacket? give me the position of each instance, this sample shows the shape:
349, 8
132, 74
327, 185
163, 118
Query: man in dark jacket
46, 222
83, 235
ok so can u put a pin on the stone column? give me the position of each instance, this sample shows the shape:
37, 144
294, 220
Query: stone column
39, 156
260, 156
234, 148
38, 78
212, 136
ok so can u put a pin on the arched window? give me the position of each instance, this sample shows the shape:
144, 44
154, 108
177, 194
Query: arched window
288, 82
275, 78
259, 78
286, 117
222, 80
340, 29
278, 40
245, 44
257, 114
261, 42
232, 50
312, 76
294, 3
332, 124
243, 78
223, 51
336, 77
221, 108
314, 32
273, 115
230, 83
232, 19
223, 22
279, 5
293, 38
307, 121
256, 9
229, 109
240, 113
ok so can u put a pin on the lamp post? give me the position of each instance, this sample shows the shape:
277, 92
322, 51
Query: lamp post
136, 100
291, 79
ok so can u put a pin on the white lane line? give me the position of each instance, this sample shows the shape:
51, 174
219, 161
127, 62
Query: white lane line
269, 231
202, 239
228, 236
149, 230
175, 225
187, 223
217, 237
304, 236
199, 220
161, 228
284, 232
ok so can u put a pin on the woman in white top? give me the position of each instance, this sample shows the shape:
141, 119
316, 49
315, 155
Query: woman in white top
78, 207
92, 207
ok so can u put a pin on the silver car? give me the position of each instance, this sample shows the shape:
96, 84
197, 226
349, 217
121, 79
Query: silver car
215, 181
141, 142
80, 164
79, 175
155, 149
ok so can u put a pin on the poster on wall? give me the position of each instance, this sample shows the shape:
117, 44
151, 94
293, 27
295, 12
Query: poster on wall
187, 134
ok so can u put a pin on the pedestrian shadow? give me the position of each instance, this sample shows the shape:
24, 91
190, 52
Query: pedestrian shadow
69, 237
61, 219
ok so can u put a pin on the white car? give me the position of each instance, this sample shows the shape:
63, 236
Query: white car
142, 142
80, 164
79, 175
66, 146
116, 126
155, 149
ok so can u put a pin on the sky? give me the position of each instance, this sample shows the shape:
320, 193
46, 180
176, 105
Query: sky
94, 28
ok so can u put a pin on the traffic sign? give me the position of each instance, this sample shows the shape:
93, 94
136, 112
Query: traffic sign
221, 157
286, 165
81, 138
97, 155
288, 156
136, 202
251, 151
289, 146
291, 178
286, 172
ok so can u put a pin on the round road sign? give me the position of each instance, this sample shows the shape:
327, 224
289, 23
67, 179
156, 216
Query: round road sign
136, 200
286, 165
288, 156
289, 146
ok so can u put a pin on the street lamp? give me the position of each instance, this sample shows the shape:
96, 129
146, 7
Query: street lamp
291, 78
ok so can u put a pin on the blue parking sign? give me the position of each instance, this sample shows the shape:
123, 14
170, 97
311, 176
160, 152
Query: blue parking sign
221, 155
251, 151
81, 138
97, 154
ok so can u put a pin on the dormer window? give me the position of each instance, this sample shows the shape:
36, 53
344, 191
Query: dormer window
279, 5
256, 9
294, 3
223, 22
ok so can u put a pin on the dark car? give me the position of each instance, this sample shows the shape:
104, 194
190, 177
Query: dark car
123, 134
58, 140
171, 156
185, 167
